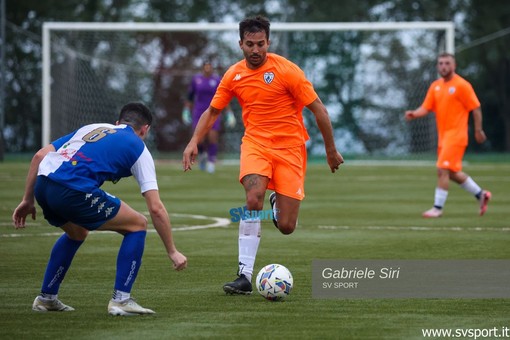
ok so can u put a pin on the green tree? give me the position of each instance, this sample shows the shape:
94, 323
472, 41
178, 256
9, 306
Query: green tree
484, 64
485, 60
23, 58
339, 54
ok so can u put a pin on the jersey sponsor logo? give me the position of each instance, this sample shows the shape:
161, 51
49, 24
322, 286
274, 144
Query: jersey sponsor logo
268, 77
237, 77
67, 153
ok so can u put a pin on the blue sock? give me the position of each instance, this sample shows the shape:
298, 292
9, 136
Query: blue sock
60, 260
129, 260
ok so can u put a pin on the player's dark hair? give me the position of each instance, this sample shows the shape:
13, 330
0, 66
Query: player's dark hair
445, 54
255, 24
135, 115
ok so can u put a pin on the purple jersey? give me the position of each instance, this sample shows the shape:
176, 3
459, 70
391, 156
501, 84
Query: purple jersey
201, 91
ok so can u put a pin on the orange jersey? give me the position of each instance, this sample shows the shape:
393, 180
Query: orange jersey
272, 98
451, 101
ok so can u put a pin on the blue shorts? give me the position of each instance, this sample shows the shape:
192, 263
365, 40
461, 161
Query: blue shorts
61, 205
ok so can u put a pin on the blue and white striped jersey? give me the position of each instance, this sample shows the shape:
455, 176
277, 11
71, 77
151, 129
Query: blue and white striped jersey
95, 153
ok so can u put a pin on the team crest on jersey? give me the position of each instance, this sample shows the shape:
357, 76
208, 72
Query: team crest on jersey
268, 77
451, 90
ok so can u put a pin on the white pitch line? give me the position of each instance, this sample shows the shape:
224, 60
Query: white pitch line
412, 228
219, 222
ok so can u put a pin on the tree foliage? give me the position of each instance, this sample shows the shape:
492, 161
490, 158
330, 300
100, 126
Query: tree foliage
24, 58
486, 65
484, 56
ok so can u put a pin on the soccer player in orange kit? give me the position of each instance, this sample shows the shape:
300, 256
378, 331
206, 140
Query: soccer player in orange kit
452, 97
272, 92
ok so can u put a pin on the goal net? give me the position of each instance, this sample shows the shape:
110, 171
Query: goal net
367, 74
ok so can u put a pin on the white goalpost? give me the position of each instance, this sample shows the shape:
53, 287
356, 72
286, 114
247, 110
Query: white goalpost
366, 73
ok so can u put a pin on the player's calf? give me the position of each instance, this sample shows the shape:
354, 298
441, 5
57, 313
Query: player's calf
286, 224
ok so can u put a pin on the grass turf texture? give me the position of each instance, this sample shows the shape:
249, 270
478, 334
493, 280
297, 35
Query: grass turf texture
361, 212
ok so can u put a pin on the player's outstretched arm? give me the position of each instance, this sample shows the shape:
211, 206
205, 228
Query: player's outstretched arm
334, 157
161, 222
27, 205
204, 124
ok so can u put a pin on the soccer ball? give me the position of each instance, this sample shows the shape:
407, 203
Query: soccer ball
274, 282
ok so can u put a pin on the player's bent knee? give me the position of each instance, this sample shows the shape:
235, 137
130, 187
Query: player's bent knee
254, 203
75, 232
78, 235
139, 223
286, 229
143, 222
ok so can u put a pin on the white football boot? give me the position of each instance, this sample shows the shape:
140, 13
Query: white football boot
432, 213
127, 308
46, 305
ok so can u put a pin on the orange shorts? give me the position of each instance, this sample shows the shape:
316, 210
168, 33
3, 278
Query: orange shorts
450, 157
285, 168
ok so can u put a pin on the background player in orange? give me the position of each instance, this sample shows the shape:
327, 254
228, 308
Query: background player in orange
452, 97
272, 92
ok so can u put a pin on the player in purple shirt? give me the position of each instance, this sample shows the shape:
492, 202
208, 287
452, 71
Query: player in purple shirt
65, 178
200, 93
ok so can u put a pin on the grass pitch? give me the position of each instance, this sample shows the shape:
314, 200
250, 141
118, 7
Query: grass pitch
362, 212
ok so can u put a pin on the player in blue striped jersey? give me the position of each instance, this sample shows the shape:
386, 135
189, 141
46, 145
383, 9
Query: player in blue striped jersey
65, 178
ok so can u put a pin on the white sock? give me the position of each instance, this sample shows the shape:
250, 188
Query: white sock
119, 296
249, 239
470, 186
48, 297
440, 198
